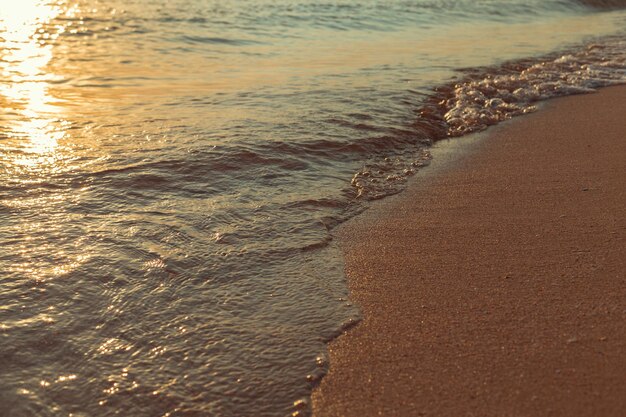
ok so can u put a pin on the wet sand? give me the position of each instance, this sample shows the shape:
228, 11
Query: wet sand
496, 284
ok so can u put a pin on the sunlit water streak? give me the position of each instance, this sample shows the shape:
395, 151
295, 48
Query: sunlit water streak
170, 174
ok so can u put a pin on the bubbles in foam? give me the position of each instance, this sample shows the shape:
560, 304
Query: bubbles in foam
379, 178
499, 94
487, 96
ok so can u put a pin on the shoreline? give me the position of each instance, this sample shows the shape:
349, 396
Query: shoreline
494, 285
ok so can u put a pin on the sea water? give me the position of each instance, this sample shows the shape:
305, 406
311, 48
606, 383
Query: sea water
171, 173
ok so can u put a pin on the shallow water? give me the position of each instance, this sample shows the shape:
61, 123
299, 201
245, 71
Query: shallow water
170, 174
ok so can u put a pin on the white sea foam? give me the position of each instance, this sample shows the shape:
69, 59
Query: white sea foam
501, 93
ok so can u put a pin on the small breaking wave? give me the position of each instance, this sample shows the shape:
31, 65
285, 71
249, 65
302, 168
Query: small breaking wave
486, 97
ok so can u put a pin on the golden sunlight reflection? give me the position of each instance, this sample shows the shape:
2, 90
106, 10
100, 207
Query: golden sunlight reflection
32, 126
30, 118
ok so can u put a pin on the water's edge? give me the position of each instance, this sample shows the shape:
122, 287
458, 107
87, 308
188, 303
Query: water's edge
443, 154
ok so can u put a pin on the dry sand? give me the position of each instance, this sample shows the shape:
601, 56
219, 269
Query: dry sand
496, 285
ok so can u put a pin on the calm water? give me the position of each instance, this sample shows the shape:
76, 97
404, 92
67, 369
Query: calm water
170, 173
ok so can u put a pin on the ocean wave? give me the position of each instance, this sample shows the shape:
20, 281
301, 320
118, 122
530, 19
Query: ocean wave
489, 96
481, 98
218, 40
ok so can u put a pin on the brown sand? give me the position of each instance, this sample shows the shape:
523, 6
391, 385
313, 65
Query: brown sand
497, 285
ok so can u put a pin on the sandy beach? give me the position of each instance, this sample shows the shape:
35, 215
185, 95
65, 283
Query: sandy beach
496, 284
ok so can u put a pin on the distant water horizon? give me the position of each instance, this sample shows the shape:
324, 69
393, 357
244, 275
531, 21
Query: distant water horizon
171, 173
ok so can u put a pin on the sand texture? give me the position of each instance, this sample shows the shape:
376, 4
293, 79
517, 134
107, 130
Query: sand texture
495, 286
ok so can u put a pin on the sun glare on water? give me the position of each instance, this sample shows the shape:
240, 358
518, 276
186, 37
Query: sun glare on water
29, 121
33, 126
